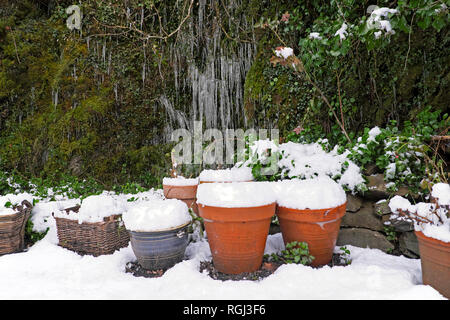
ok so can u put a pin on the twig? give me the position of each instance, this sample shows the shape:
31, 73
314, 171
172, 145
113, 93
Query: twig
329, 106
15, 45
409, 40
339, 95
150, 36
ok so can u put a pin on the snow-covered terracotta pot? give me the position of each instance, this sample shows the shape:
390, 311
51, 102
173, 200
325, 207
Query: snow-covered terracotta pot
158, 232
237, 218
182, 189
319, 228
435, 261
311, 211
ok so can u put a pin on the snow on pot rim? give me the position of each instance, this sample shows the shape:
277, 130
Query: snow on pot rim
180, 181
235, 194
235, 174
312, 194
157, 215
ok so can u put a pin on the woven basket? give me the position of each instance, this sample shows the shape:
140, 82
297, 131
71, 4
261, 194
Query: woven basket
93, 238
12, 228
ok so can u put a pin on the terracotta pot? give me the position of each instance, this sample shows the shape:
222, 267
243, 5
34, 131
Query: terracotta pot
187, 194
319, 228
435, 261
237, 236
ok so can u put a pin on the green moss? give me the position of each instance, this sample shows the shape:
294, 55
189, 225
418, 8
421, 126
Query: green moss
107, 118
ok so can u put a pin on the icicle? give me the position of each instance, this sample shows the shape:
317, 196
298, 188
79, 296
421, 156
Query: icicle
143, 66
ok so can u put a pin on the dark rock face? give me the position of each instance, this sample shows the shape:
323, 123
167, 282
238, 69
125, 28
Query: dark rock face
353, 203
364, 238
409, 245
378, 191
363, 218
367, 223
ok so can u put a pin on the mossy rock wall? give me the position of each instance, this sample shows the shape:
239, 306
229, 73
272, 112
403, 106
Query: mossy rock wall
88, 103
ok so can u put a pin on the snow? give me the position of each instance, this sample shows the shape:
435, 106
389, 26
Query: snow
319, 193
259, 149
442, 8
235, 194
438, 226
342, 31
314, 35
441, 191
284, 52
94, 209
14, 199
156, 215
66, 275
7, 211
180, 181
310, 160
234, 174
438, 232
383, 12
390, 171
376, 20
373, 133
398, 202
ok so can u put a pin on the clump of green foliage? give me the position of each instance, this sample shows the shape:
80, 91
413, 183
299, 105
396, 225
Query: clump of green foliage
344, 255
403, 154
295, 252
369, 76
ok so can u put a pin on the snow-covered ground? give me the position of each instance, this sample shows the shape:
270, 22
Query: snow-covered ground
47, 271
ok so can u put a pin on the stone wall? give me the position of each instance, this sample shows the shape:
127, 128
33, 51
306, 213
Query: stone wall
367, 224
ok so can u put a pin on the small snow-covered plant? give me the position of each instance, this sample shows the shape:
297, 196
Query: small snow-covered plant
271, 162
263, 160
433, 218
8, 204
196, 228
295, 252
307, 161
344, 255
32, 236
398, 155
404, 156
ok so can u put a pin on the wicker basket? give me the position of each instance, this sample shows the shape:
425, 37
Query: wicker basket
12, 228
94, 238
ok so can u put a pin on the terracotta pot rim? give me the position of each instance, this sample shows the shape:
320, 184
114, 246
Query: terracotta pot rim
237, 214
241, 208
307, 210
163, 230
182, 186
423, 237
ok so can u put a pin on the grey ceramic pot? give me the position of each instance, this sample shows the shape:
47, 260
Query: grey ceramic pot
160, 249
